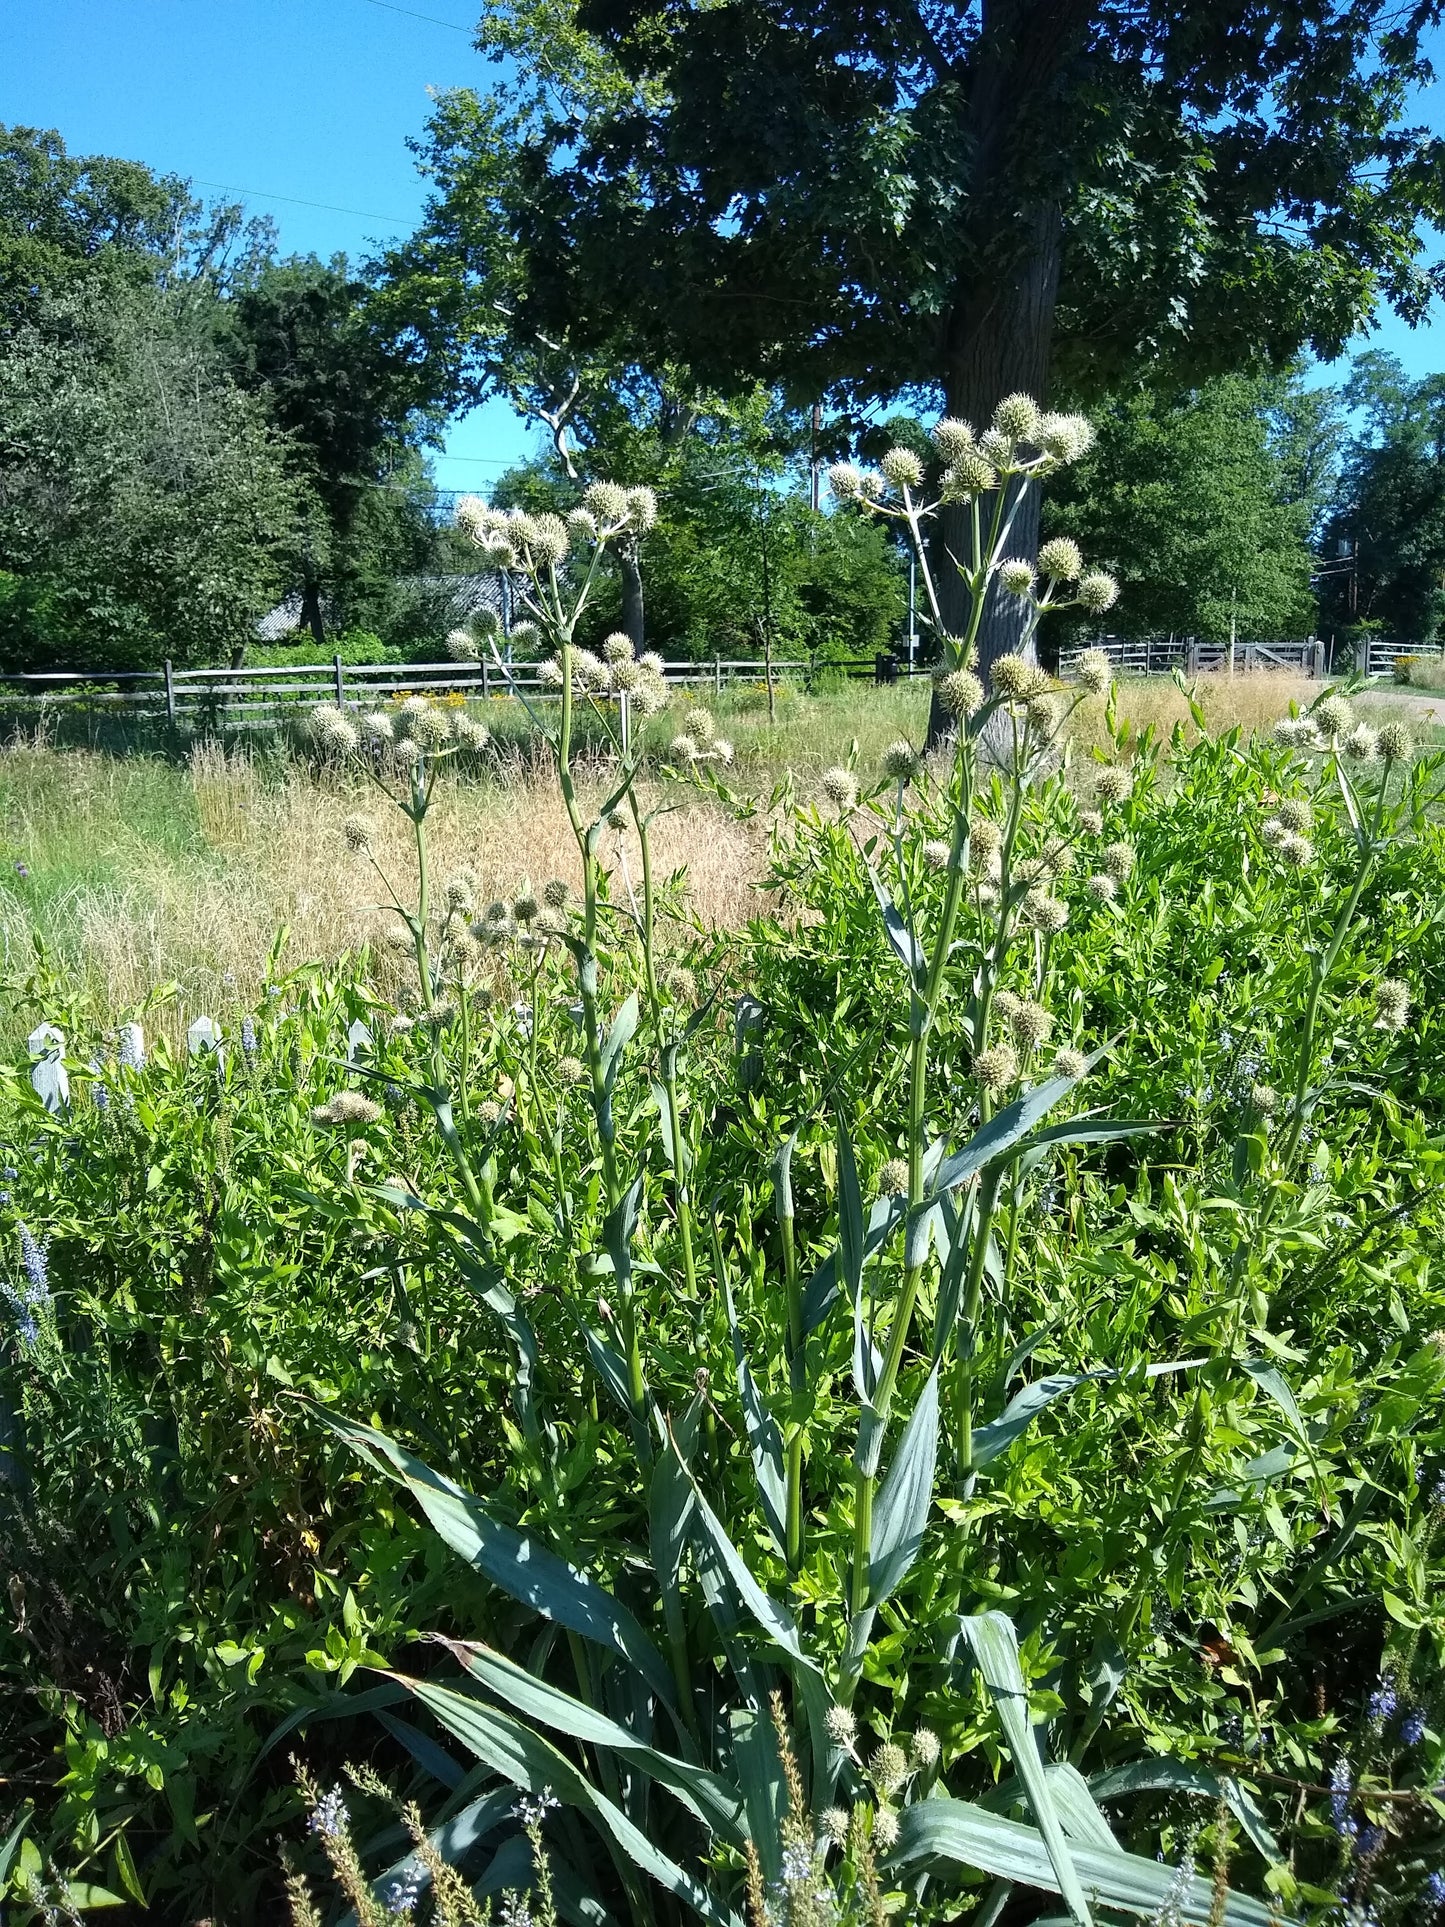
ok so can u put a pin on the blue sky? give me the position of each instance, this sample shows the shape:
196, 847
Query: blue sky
302, 109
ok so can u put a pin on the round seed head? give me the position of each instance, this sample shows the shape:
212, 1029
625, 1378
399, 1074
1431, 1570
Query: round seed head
641, 509
1392, 1003
1061, 559
1070, 1063
1295, 814
1016, 576
1014, 678
960, 692
618, 647
461, 645
429, 728
460, 894
845, 479
985, 838
1094, 670
902, 468
833, 1826
1097, 591
608, 502
953, 439
1091, 822
1333, 716
582, 528
347, 1108
997, 1067
1043, 714
1007, 1004
1018, 418
1032, 1024
842, 1728
376, 728
570, 1070
925, 1749
936, 853
900, 761
996, 448
1119, 860
840, 787
970, 473
1114, 785
556, 894
889, 1768
358, 831
469, 733
893, 1179
525, 905
1265, 1099
885, 1829
1102, 888
1273, 831
1296, 852
700, 726
1395, 742
1362, 745
1066, 438
333, 732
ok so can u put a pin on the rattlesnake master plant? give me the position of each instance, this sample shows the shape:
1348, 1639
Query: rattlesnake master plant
704, 1660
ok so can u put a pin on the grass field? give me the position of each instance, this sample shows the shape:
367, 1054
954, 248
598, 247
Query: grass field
139, 870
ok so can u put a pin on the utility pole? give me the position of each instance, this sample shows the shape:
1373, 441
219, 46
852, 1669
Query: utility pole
816, 464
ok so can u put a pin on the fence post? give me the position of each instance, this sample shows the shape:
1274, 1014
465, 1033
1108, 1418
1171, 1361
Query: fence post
717, 675
1191, 656
170, 695
486, 685
340, 681
1362, 654
624, 704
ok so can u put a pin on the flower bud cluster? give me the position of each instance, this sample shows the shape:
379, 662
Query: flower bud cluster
617, 672
699, 742
418, 728
1021, 440
513, 539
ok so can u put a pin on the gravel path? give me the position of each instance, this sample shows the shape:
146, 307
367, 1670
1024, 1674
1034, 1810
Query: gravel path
1427, 705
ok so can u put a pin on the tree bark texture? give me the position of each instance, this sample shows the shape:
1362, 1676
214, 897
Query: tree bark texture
633, 613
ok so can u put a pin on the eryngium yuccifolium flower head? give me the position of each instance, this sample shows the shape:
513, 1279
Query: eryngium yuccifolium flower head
358, 831
472, 515
1091, 822
1362, 745
1017, 416
1070, 1063
461, 645
1006, 1005
556, 894
1061, 559
683, 749
902, 468
525, 905
376, 727
700, 726
1114, 785
429, 728
677, 984
971, 474
1016, 577
1043, 714
1295, 851
1395, 742
618, 647
1392, 1003
589, 672
460, 893
1067, 438
885, 1829
900, 761
960, 692
996, 448
347, 1108
1014, 678
985, 838
1097, 591
937, 853
1333, 716
332, 731
550, 673
893, 1178
1094, 671
582, 528
1295, 814
997, 1067
1102, 888
840, 786
641, 509
570, 1070
952, 438
841, 1727
888, 1768
1297, 732
1264, 1098
925, 1749
1032, 1023
469, 733
845, 479
1119, 860
833, 1826
1273, 831
525, 634
607, 501
489, 1114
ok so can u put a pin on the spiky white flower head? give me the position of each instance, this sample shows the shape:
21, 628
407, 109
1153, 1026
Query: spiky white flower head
608, 502
925, 1749
1392, 1003
550, 673
1091, 822
571, 1070
582, 528
1018, 417
970, 474
653, 663
1298, 732
401, 941
472, 515
840, 786
460, 894
885, 1829
902, 468
1097, 591
1264, 1098
683, 749
358, 831
525, 634
845, 479
1297, 852
1032, 1024
489, 1114
722, 750
1014, 678
699, 725
589, 672
1296, 814
648, 692
429, 728
1006, 1005
997, 1067
332, 730
937, 854
347, 1108
1070, 1063
1333, 716
469, 733
1273, 831
900, 761
1094, 672
952, 438
1043, 714
525, 905
893, 1179
1061, 559
1362, 745
1016, 577
888, 1768
985, 838
1119, 860
641, 509
461, 645
840, 1725
1102, 888
1395, 742
556, 894
960, 692
1114, 785
376, 728
1066, 438
833, 1826
619, 647
996, 448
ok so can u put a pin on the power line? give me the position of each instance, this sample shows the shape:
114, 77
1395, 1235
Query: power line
260, 194
431, 17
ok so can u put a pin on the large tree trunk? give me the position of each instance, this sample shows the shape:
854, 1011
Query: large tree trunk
633, 614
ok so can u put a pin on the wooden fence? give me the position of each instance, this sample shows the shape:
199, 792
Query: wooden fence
1162, 655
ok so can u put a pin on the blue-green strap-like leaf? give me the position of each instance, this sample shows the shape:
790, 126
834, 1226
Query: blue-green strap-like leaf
905, 944
901, 1512
765, 1440
1011, 1125
1184, 1776
1024, 1407
517, 1562
821, 1291
617, 1038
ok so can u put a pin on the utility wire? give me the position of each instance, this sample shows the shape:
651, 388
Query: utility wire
431, 17
260, 194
